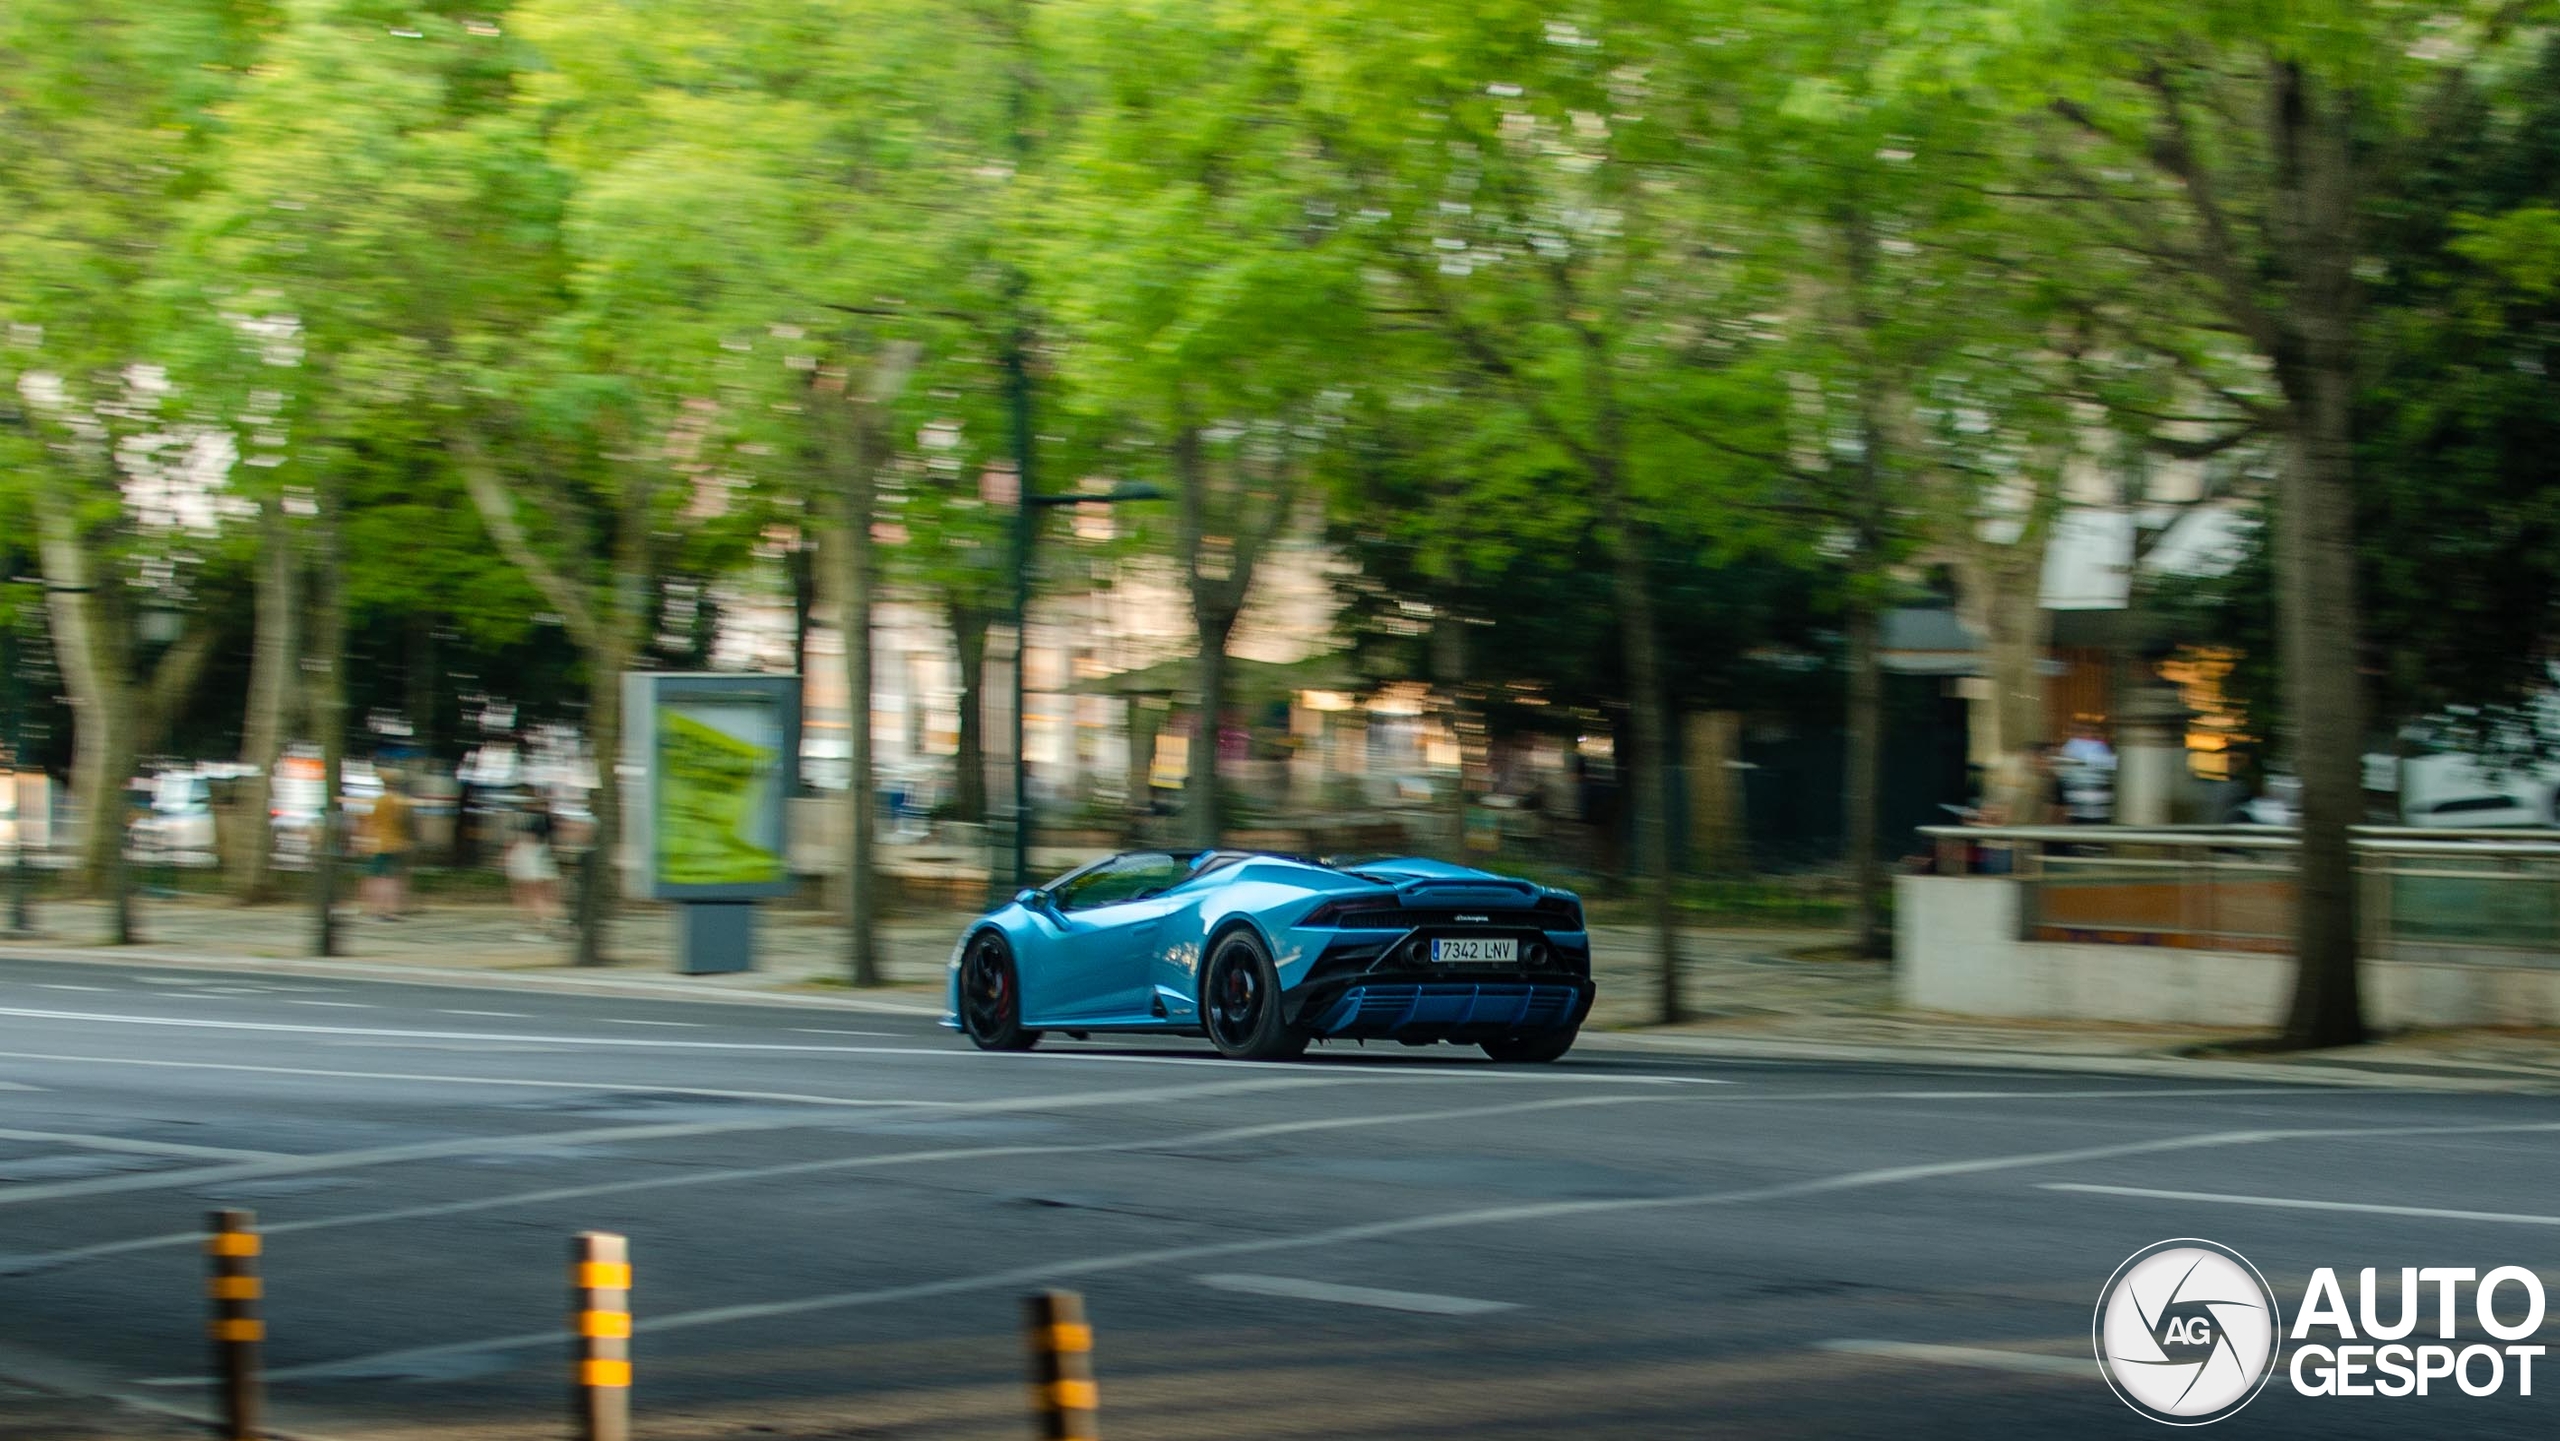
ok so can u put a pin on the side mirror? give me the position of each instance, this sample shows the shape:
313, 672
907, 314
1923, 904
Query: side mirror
1032, 897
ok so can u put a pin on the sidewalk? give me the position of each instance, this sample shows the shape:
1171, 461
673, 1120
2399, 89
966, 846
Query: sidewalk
799, 951
1797, 994
1752, 993
61, 1416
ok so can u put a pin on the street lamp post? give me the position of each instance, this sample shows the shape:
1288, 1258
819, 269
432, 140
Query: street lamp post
21, 880
1025, 534
21, 919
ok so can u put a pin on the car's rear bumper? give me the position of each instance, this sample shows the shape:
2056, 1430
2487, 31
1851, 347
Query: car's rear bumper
1427, 1006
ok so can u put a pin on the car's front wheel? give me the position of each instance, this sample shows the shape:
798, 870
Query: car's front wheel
991, 997
1537, 1046
1240, 1003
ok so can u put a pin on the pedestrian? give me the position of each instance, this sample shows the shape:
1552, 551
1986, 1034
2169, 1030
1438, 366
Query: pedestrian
2087, 765
533, 873
384, 839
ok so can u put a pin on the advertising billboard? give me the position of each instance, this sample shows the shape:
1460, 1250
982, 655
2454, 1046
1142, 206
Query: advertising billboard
708, 764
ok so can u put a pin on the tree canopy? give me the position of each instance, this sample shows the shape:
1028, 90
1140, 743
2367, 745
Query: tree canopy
1631, 356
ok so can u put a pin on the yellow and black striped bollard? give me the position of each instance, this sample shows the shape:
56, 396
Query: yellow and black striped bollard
600, 1300
1063, 1398
231, 1284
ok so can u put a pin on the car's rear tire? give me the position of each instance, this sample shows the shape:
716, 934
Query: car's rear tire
1537, 1046
1240, 1002
991, 997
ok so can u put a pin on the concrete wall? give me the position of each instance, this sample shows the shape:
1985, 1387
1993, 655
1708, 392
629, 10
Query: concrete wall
1956, 950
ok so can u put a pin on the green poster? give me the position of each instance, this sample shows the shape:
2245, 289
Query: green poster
711, 787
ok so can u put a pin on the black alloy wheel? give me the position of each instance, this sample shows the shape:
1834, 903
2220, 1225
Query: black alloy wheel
1240, 1003
991, 997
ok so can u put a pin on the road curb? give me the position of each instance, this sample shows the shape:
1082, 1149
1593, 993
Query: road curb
1734, 1048
1737, 1048
43, 1373
463, 977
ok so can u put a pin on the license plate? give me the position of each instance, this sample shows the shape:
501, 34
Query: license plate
1474, 949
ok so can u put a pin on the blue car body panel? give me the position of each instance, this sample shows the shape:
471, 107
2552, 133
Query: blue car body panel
1351, 945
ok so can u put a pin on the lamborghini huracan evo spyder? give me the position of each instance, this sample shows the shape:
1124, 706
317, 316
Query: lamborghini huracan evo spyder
1264, 953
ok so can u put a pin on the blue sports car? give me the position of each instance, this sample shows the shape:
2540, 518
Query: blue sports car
1263, 953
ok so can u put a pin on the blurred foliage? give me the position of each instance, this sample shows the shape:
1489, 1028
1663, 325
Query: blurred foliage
1803, 291
2456, 429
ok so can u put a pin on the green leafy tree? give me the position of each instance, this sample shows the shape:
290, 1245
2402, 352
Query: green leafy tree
372, 141
1209, 301
107, 130
779, 250
2240, 155
1541, 195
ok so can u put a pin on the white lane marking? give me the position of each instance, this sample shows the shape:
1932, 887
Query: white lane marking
389, 1155
825, 1031
342, 1005
201, 1023
1381, 1230
628, 1021
510, 1015
1420, 1302
521, 1082
1404, 1070
2434, 1213
592, 1135
396, 973
66, 986
47, 1260
2028, 1363
23, 1265
1331, 1072
132, 1146
18, 1086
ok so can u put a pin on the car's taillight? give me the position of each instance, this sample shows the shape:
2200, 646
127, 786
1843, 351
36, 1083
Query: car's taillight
1559, 914
1328, 914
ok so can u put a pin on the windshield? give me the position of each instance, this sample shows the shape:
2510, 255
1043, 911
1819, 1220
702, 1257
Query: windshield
1132, 877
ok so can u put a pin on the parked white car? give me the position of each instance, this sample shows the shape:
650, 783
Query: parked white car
2445, 778
179, 826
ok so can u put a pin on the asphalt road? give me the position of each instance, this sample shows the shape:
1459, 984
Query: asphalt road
833, 1215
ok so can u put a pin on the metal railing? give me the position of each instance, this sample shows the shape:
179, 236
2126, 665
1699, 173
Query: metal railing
2488, 896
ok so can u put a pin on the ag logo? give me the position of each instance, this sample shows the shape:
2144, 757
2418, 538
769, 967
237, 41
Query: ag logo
2186, 1332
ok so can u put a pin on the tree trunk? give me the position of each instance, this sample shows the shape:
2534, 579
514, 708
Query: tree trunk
1204, 793
799, 566
422, 683
862, 817
274, 657
1716, 837
1865, 760
2315, 558
1649, 780
969, 781
102, 761
1863, 774
606, 617
621, 606
2323, 709
1448, 672
1146, 719
1218, 570
1466, 734
2001, 603
89, 650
